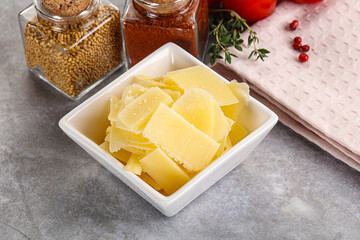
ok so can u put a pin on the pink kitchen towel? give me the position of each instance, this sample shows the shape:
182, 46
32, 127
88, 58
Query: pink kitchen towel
319, 99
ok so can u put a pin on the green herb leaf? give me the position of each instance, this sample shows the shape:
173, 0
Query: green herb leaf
238, 47
226, 26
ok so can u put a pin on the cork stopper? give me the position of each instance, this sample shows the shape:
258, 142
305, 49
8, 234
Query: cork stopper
65, 8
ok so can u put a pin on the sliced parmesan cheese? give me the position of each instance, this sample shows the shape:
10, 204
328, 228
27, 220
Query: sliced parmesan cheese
130, 93
117, 139
174, 94
135, 150
197, 107
221, 148
142, 77
149, 180
238, 133
222, 125
164, 171
167, 129
180, 139
228, 143
137, 112
133, 164
121, 155
241, 91
200, 77
114, 108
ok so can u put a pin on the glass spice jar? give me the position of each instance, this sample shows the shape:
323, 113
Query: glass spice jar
149, 24
72, 53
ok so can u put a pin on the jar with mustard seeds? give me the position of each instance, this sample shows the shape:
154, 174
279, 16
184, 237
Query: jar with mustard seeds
149, 24
72, 44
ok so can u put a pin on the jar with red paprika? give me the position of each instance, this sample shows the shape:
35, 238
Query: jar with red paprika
149, 24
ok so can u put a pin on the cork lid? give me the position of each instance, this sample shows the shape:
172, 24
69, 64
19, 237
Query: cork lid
65, 8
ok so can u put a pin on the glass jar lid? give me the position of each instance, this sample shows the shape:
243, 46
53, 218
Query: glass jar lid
153, 8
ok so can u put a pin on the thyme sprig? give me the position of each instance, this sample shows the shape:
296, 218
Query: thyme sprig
227, 29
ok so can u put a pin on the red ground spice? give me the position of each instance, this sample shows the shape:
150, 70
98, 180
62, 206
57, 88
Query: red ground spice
144, 33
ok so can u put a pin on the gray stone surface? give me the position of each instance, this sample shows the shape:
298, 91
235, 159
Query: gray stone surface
288, 188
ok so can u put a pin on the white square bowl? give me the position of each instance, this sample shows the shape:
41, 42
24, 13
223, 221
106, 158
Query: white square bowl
87, 123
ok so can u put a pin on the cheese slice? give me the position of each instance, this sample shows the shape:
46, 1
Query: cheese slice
225, 141
117, 139
142, 77
197, 107
148, 83
120, 125
121, 155
221, 148
149, 180
114, 108
222, 124
141, 146
241, 91
114, 112
137, 112
170, 84
113, 102
164, 171
120, 138
108, 130
238, 132
174, 94
130, 93
228, 143
136, 151
135, 138
133, 164
107, 137
180, 139
164, 79
201, 77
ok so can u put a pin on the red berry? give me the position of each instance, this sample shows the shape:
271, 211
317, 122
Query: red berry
304, 48
303, 57
297, 46
294, 24
297, 40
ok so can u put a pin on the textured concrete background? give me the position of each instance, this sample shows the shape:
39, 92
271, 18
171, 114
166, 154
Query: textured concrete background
50, 188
